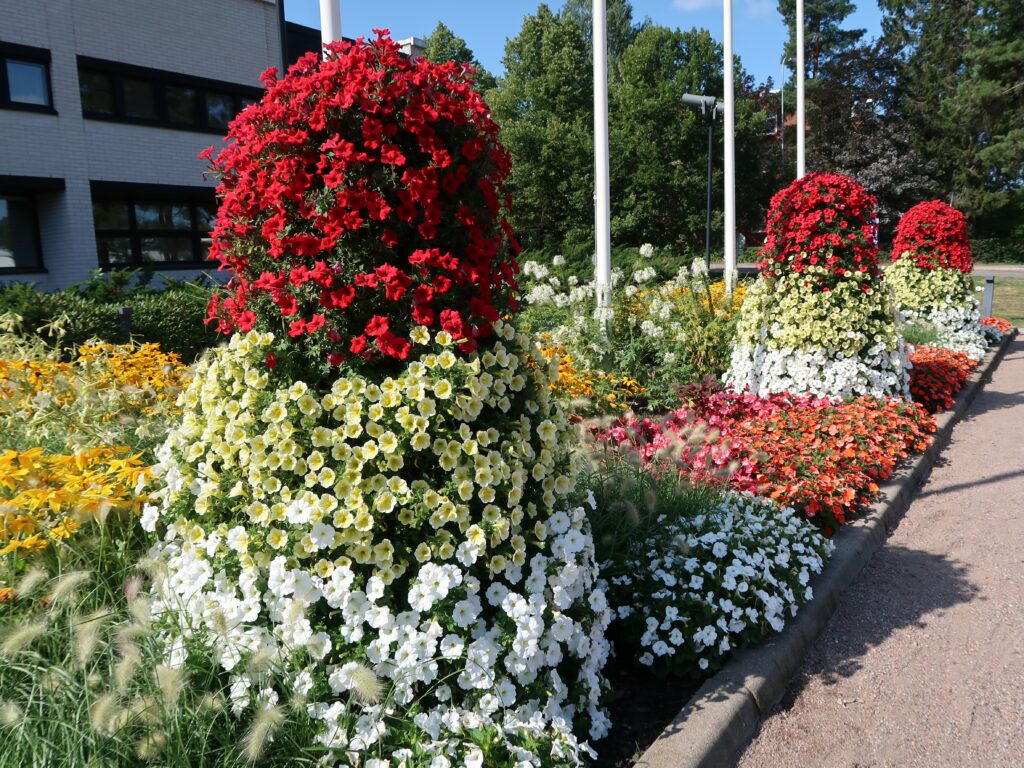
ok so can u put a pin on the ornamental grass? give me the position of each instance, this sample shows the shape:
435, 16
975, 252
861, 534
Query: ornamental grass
938, 376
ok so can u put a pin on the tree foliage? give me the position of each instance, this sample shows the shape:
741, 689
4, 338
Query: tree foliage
544, 104
444, 45
961, 89
824, 36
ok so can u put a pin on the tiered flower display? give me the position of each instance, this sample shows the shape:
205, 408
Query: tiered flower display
817, 321
931, 276
372, 492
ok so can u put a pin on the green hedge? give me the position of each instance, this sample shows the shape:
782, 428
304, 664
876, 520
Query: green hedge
172, 317
1008, 250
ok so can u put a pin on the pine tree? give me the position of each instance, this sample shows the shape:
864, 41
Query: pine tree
824, 36
962, 85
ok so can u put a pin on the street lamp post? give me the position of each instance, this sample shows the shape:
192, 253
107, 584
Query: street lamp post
710, 109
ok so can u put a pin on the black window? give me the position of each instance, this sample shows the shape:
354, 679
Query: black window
19, 234
97, 91
25, 78
139, 99
127, 93
181, 105
220, 108
143, 225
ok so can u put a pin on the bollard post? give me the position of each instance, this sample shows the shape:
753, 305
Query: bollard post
124, 316
990, 289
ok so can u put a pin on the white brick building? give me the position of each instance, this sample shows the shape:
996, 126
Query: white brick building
104, 107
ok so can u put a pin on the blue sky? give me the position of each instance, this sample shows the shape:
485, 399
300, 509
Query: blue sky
758, 31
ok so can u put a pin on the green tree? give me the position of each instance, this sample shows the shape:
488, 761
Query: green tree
989, 102
444, 45
824, 36
961, 81
544, 104
659, 147
621, 29
859, 131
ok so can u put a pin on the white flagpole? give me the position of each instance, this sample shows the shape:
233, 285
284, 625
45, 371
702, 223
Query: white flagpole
801, 130
729, 140
330, 21
602, 189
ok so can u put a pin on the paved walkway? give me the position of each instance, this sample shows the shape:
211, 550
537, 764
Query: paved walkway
923, 663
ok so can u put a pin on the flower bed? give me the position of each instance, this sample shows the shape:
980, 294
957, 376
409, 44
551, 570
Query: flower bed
825, 458
44, 498
659, 336
938, 376
696, 588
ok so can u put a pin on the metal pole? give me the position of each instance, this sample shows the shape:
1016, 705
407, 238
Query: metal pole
330, 21
710, 114
782, 128
801, 129
729, 166
602, 189
990, 290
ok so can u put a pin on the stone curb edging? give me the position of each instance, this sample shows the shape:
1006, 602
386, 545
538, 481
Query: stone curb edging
728, 709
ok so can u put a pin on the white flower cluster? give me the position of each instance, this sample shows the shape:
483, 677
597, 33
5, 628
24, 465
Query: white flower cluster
699, 587
401, 550
794, 337
647, 250
942, 298
764, 370
957, 325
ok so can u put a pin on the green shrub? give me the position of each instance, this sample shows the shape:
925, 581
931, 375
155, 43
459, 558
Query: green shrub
174, 320
172, 317
1009, 250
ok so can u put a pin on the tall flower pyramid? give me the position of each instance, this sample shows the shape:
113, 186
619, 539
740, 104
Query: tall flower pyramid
817, 320
931, 276
371, 490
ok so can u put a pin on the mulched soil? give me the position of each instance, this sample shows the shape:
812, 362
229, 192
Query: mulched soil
641, 705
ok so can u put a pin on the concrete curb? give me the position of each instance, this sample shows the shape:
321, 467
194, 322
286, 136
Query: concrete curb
728, 709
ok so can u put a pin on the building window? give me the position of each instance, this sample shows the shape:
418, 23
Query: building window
25, 78
130, 94
142, 225
19, 234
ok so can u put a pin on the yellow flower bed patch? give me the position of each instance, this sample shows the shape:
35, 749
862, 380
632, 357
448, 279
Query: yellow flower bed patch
45, 498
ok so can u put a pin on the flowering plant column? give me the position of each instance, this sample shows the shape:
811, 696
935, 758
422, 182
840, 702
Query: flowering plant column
931, 276
817, 320
371, 491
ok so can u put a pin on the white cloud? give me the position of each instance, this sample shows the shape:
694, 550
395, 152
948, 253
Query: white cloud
760, 8
751, 8
695, 5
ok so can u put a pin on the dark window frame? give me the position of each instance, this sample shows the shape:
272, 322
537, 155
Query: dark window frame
31, 54
118, 72
138, 194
